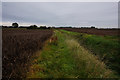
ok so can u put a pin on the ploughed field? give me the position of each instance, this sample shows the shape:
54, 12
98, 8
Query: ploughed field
95, 31
18, 46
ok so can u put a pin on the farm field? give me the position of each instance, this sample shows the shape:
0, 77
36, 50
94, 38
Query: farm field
58, 53
18, 47
95, 31
60, 40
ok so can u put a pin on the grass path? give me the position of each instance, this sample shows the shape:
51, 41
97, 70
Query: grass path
67, 59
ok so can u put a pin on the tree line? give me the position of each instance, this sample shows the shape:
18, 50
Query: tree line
16, 25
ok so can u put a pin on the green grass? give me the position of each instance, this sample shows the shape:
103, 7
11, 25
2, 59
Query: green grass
67, 59
88, 65
54, 60
69, 32
105, 47
108, 50
116, 38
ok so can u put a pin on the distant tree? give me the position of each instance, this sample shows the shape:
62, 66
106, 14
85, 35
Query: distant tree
60, 27
33, 26
43, 27
69, 27
10, 27
4, 26
92, 27
49, 27
82, 27
15, 25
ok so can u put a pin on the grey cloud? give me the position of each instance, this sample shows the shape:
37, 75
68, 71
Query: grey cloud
103, 14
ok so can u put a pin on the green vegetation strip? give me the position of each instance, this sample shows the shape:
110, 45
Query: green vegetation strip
66, 58
105, 47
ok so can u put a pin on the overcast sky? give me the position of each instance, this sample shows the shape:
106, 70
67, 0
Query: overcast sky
99, 14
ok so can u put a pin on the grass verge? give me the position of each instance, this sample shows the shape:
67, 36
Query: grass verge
105, 47
66, 58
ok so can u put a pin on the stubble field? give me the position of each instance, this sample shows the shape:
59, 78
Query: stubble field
18, 46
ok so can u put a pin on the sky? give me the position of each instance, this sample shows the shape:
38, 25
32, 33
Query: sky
77, 14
